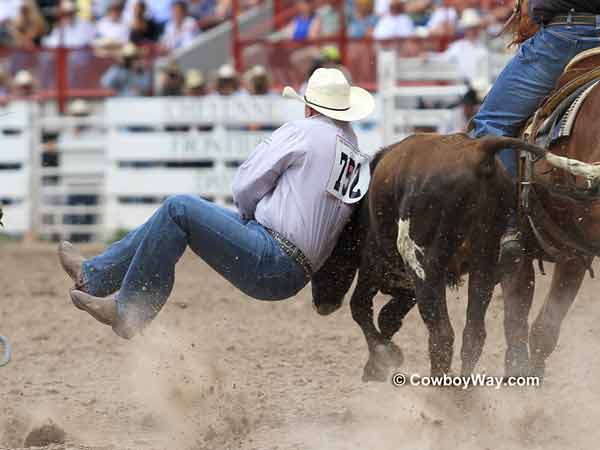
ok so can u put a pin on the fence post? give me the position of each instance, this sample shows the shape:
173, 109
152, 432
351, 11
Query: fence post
386, 86
235, 39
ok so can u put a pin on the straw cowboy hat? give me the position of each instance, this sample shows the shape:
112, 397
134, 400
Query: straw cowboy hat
470, 18
194, 79
329, 93
79, 107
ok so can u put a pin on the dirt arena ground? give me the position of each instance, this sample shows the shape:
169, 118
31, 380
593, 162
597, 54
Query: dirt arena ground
217, 370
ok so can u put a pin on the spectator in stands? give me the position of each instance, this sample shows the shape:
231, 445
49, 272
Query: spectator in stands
443, 20
128, 78
159, 10
394, 24
69, 31
258, 81
469, 52
227, 81
170, 82
82, 132
362, 20
28, 26
306, 24
143, 28
195, 85
23, 85
112, 26
4, 85
181, 29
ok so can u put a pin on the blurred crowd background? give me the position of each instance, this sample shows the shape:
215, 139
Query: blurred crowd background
112, 46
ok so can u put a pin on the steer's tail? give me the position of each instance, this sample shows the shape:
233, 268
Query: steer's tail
490, 145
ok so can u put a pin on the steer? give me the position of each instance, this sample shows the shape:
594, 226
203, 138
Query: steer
436, 209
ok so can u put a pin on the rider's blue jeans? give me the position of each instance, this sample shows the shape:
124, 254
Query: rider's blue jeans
142, 265
527, 79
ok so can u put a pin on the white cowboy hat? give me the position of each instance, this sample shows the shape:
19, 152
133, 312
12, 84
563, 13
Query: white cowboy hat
329, 93
24, 78
226, 72
194, 79
470, 18
79, 107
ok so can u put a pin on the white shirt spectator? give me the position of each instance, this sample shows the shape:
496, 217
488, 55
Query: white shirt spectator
381, 7
440, 16
108, 28
76, 34
470, 57
390, 27
9, 9
174, 37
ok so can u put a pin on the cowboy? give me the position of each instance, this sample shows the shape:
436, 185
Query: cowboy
294, 195
567, 27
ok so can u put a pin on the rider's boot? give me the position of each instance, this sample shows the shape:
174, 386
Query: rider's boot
511, 246
71, 262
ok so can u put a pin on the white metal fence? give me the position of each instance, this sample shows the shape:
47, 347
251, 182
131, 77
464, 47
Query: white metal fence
87, 177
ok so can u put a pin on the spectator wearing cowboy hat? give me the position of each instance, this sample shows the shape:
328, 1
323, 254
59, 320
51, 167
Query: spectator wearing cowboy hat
292, 199
24, 86
195, 85
171, 81
128, 78
227, 82
257, 81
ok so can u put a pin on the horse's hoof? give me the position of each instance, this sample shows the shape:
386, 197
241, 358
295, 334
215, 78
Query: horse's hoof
374, 371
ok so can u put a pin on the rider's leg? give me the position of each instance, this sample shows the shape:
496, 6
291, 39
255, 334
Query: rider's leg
520, 88
243, 252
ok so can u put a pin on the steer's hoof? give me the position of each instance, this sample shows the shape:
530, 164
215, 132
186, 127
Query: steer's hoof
375, 371
389, 355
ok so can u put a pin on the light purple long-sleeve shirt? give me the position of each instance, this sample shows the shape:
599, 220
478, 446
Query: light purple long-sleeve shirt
302, 182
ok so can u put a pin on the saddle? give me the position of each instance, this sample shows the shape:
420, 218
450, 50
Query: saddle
579, 74
555, 119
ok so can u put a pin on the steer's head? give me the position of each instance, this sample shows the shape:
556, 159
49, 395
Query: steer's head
331, 282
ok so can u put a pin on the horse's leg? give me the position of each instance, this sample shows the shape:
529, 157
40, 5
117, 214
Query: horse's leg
391, 315
431, 300
566, 281
517, 289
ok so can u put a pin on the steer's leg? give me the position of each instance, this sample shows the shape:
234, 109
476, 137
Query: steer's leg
566, 281
431, 300
391, 315
517, 289
482, 279
382, 352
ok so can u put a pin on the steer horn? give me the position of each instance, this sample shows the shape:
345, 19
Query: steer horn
491, 145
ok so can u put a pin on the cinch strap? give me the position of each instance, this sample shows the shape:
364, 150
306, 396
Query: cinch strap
325, 107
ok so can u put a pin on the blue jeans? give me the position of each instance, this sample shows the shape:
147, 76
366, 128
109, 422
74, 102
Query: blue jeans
141, 266
526, 80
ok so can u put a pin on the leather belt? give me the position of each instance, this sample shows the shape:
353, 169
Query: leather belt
292, 251
574, 19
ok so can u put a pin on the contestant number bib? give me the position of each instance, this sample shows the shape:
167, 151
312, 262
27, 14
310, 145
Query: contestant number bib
350, 175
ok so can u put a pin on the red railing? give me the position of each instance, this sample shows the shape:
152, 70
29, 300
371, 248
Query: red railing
63, 73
